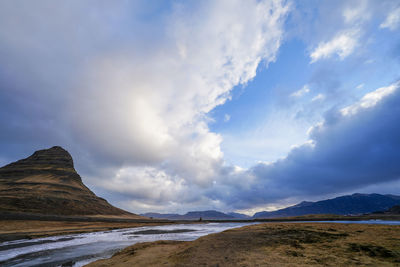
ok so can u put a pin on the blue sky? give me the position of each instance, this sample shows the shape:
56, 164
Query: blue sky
171, 106
254, 108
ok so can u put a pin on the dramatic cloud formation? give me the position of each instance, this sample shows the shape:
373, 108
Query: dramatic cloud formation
136, 106
353, 148
155, 101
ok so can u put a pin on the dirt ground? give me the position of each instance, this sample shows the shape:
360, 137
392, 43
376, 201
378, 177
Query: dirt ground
273, 244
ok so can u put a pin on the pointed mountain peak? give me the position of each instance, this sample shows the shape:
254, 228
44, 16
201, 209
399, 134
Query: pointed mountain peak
55, 156
47, 183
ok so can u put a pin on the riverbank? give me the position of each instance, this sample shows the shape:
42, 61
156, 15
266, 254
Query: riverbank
83, 248
15, 226
30, 229
273, 244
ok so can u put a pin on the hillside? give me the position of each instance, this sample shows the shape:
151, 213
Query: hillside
344, 205
47, 183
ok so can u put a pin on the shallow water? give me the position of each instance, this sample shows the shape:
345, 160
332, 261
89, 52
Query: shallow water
80, 249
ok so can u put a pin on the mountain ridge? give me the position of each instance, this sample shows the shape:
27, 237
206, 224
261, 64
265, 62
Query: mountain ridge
47, 183
344, 205
302, 208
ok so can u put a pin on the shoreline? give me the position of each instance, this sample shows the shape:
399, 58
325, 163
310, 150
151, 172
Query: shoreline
11, 230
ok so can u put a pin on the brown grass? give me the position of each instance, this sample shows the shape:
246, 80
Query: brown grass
273, 244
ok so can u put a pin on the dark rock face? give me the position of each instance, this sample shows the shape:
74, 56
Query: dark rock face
345, 205
47, 183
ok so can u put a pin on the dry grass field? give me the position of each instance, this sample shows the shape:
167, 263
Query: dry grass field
273, 244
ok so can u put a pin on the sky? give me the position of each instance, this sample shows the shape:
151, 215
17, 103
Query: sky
174, 106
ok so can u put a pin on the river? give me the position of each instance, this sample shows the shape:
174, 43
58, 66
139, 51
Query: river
80, 249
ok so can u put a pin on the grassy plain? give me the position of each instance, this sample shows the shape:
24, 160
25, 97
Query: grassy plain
273, 244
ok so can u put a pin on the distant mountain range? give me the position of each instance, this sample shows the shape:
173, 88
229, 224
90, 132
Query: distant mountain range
196, 215
47, 183
344, 205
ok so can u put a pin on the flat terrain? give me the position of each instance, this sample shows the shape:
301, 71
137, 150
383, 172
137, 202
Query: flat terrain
27, 229
273, 244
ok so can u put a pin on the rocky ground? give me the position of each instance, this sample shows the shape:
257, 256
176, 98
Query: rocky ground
273, 244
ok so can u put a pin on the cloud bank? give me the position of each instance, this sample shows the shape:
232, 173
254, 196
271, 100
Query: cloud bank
129, 100
353, 148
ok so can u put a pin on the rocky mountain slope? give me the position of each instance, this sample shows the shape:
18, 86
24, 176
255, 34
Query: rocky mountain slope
344, 205
47, 183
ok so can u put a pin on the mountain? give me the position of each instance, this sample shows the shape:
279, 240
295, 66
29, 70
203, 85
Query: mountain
168, 216
196, 215
47, 183
394, 210
239, 215
344, 205
208, 215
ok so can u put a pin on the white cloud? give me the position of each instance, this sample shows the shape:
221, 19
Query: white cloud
356, 12
392, 20
342, 45
227, 117
360, 86
304, 90
370, 100
146, 183
318, 97
166, 120
369, 61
